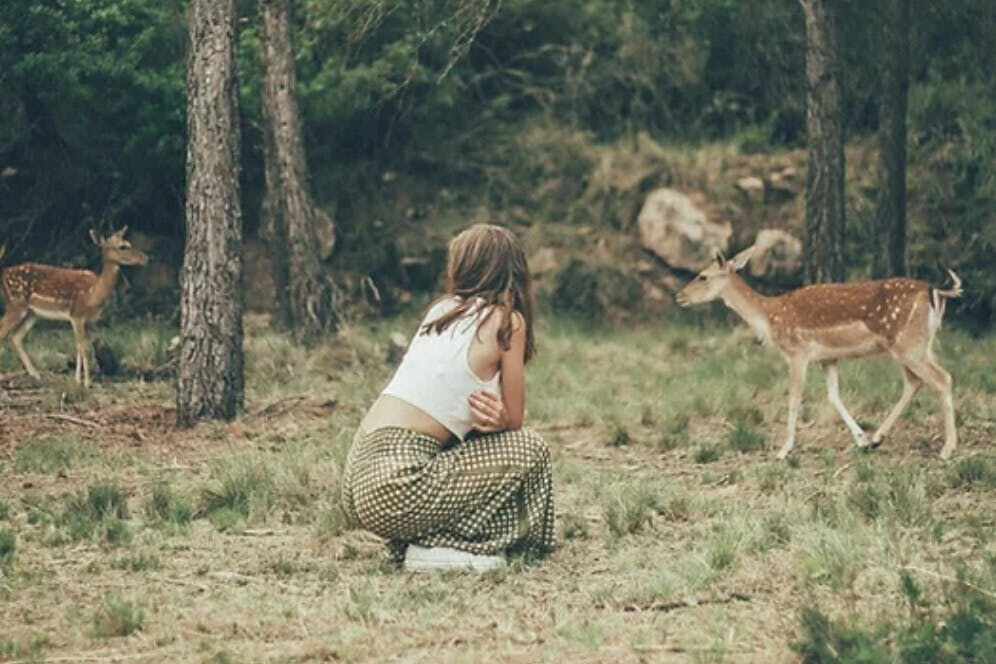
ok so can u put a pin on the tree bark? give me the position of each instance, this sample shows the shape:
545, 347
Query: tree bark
890, 203
823, 245
211, 383
304, 295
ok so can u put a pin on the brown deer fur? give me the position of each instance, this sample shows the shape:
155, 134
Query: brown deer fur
31, 291
828, 322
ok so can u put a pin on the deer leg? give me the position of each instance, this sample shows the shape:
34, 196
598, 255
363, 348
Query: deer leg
17, 339
833, 393
911, 383
940, 380
79, 331
11, 319
797, 381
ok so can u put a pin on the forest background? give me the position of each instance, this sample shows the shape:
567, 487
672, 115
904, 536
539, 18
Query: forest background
419, 116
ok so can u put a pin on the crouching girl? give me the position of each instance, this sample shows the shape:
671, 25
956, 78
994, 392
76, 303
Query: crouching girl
440, 466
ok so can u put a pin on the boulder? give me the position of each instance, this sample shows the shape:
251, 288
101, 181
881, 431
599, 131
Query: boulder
752, 187
777, 256
785, 184
543, 262
672, 226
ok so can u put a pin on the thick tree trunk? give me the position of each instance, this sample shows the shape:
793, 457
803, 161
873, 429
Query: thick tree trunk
890, 204
210, 383
823, 245
304, 296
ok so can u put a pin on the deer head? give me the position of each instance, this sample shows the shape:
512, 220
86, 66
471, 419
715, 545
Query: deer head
710, 282
116, 249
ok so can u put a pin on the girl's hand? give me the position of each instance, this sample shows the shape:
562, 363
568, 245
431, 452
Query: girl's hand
488, 412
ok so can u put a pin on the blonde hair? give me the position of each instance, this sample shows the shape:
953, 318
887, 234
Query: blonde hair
487, 269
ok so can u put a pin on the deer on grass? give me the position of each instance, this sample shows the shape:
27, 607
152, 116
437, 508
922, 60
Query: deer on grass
31, 291
828, 322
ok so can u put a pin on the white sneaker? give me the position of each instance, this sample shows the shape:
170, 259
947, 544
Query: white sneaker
423, 559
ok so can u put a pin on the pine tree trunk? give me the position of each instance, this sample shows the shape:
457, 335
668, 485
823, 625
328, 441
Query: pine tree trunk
304, 300
211, 383
823, 245
890, 204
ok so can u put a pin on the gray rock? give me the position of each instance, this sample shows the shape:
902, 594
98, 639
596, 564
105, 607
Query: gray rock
672, 226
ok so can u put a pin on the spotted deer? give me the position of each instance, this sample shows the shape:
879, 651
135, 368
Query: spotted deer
828, 322
31, 291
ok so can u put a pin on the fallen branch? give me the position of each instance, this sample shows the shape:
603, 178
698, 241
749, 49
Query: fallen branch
950, 579
840, 470
70, 418
680, 604
181, 582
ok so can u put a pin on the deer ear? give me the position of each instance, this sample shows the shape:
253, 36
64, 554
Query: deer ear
719, 257
738, 262
95, 236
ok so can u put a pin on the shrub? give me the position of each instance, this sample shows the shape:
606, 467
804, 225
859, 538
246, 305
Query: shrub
744, 438
8, 547
117, 617
101, 510
165, 506
707, 453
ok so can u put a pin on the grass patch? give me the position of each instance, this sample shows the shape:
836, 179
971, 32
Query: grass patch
166, 507
974, 472
117, 617
628, 509
707, 453
743, 437
138, 562
242, 490
99, 512
574, 526
52, 455
8, 547
31, 649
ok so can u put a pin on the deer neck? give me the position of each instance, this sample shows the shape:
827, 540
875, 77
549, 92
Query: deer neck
749, 305
104, 286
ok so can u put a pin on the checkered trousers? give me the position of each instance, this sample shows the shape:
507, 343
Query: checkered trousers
488, 495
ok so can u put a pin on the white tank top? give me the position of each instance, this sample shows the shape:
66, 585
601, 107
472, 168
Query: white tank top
435, 374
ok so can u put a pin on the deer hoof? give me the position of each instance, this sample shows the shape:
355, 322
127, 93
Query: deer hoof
946, 453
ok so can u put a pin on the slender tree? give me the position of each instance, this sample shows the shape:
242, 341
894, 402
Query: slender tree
823, 245
290, 217
211, 383
890, 203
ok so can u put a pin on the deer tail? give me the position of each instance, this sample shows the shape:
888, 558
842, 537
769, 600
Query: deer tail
940, 296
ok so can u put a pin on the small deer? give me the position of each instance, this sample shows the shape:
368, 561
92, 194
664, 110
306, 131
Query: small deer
828, 322
31, 291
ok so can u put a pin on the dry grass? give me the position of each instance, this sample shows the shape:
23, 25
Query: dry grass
236, 550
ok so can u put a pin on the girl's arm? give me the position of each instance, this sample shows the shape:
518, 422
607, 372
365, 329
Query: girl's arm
505, 412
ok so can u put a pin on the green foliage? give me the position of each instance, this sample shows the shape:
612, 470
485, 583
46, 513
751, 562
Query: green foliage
960, 629
454, 105
825, 640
